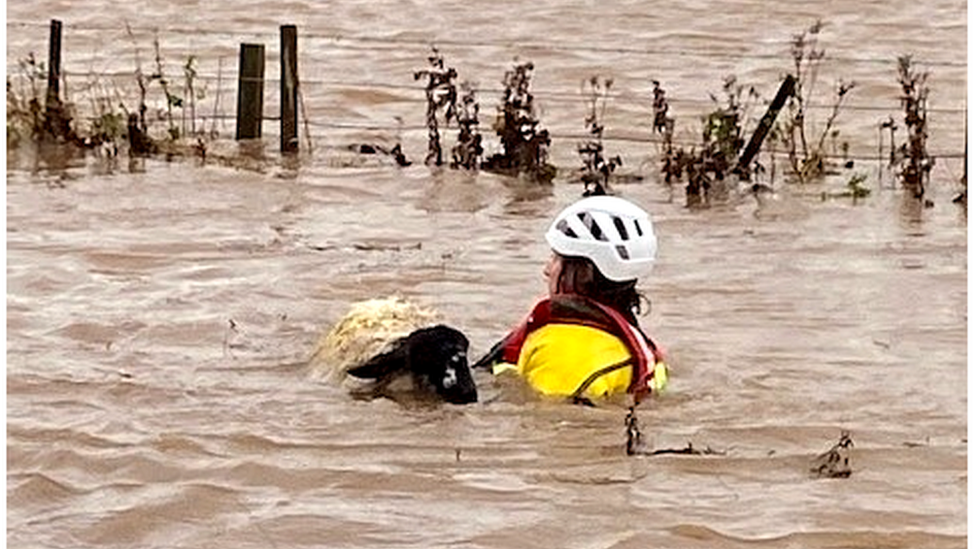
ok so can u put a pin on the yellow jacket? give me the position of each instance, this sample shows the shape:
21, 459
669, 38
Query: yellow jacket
579, 359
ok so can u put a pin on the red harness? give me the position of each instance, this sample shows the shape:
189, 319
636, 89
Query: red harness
572, 309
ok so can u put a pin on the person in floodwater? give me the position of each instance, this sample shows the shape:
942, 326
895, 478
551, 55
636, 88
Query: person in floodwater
584, 341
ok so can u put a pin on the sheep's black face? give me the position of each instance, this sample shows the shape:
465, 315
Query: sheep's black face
439, 358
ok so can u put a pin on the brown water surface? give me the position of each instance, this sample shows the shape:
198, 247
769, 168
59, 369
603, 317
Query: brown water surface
159, 317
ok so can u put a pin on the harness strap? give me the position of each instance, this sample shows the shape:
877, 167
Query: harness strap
577, 395
586, 312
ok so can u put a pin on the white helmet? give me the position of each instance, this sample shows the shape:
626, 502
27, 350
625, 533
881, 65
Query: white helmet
613, 233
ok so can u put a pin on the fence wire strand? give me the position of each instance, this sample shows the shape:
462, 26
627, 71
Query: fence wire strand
83, 81
352, 40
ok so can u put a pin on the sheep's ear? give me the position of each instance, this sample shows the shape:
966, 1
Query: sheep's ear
384, 364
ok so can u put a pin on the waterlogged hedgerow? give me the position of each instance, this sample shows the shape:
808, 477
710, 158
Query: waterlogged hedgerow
913, 157
109, 124
596, 169
524, 144
808, 158
707, 165
467, 152
441, 95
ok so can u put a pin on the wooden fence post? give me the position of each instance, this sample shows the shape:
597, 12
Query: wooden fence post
54, 66
785, 91
289, 89
250, 91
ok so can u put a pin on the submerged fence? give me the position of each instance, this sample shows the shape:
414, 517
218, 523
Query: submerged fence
308, 100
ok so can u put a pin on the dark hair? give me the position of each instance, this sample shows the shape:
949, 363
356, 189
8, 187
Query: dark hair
581, 277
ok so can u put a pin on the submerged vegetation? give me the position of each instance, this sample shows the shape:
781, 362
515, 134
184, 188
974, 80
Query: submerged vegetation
913, 157
806, 146
707, 165
467, 152
524, 144
835, 462
441, 95
36, 114
111, 125
163, 119
596, 169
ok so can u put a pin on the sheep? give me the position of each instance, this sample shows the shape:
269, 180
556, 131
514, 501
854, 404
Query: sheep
400, 349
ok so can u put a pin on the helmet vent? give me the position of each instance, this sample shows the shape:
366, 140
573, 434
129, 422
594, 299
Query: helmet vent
638, 227
564, 228
591, 224
622, 252
621, 229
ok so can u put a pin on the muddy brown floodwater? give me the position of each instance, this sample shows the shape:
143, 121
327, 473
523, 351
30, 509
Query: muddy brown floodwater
158, 318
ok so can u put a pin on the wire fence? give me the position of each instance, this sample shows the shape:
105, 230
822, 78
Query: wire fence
219, 82
371, 42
